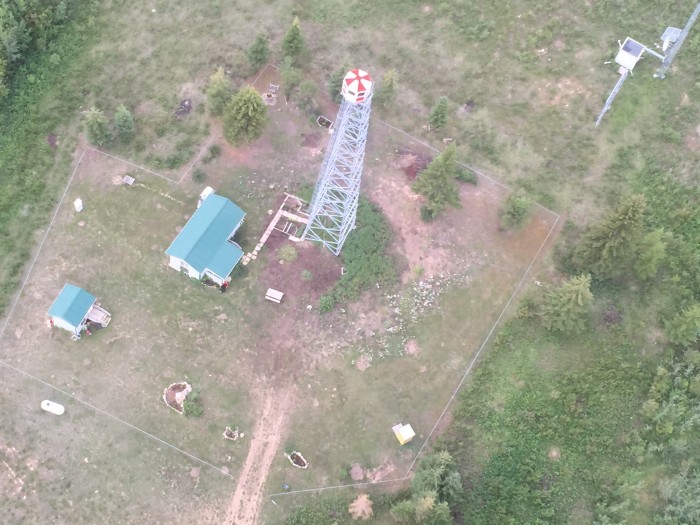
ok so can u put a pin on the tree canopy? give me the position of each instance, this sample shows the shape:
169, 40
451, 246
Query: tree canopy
437, 184
244, 116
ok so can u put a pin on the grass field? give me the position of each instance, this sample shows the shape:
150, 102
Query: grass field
524, 90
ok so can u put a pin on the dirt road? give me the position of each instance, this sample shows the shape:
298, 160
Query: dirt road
244, 508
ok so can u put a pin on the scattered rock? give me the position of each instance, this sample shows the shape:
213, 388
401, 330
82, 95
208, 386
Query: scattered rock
222, 317
195, 472
81, 223
554, 453
18, 333
224, 470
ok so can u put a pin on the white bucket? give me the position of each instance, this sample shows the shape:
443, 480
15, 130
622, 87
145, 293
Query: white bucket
78, 204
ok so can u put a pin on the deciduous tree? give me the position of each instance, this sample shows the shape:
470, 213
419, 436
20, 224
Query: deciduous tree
96, 126
219, 92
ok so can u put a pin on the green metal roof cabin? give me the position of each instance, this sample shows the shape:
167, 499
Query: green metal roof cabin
205, 247
70, 309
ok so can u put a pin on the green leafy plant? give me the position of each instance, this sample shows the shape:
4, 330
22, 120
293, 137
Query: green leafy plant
96, 126
219, 92
192, 406
288, 253
198, 175
515, 211
306, 275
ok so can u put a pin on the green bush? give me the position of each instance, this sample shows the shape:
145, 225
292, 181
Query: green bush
198, 175
212, 153
515, 210
467, 176
124, 124
439, 114
258, 52
288, 253
192, 406
96, 126
364, 256
306, 275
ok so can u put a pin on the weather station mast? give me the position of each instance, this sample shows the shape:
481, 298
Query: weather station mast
334, 204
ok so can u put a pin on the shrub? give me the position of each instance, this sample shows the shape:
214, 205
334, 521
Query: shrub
306, 275
515, 210
467, 176
96, 126
213, 152
288, 253
191, 406
326, 303
198, 175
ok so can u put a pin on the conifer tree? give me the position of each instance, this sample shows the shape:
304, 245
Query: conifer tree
124, 123
258, 52
219, 92
684, 328
608, 249
244, 116
439, 113
565, 308
293, 41
436, 183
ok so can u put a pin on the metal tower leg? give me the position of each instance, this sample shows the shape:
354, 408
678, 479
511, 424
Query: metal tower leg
334, 204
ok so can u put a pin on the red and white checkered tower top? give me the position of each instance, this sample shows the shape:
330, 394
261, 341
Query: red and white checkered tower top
357, 86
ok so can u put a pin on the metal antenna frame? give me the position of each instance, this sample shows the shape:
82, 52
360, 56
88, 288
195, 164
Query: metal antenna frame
334, 205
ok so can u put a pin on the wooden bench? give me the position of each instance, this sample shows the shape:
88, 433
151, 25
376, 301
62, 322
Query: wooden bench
274, 295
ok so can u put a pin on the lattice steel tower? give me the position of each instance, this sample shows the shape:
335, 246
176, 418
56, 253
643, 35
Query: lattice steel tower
334, 204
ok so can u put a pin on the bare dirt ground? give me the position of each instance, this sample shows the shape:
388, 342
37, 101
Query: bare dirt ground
244, 507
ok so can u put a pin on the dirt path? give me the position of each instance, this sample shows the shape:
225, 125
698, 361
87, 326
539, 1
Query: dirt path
265, 440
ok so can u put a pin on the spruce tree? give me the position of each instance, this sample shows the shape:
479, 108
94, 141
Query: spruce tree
608, 249
244, 116
335, 82
436, 183
565, 308
96, 126
438, 115
124, 123
219, 92
652, 251
293, 41
258, 52
684, 328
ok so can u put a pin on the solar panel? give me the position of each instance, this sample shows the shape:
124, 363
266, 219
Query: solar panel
671, 34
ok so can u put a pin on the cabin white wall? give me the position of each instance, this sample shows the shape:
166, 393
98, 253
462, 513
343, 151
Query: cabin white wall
180, 265
64, 324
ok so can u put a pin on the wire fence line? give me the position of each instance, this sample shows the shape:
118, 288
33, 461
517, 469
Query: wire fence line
185, 453
668, 59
